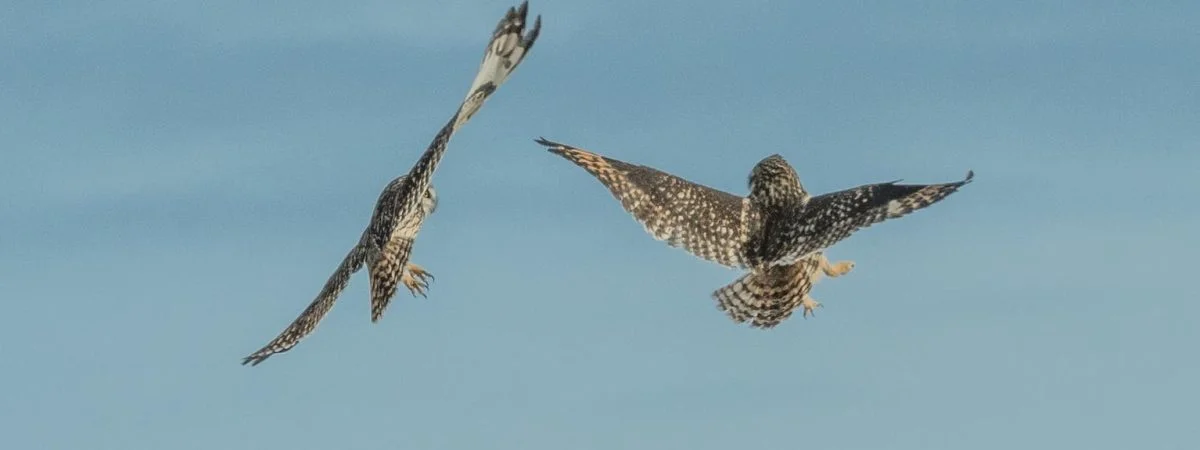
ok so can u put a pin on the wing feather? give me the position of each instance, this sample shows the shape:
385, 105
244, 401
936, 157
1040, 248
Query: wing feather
312, 315
706, 222
830, 218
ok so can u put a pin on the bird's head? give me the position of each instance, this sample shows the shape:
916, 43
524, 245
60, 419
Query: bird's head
430, 201
773, 182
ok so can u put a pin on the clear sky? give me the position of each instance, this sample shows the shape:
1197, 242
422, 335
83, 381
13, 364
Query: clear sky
180, 178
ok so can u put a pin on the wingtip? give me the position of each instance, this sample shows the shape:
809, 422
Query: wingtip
554, 147
253, 360
535, 31
531, 36
970, 176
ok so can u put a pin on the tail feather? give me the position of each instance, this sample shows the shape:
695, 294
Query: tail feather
386, 269
768, 297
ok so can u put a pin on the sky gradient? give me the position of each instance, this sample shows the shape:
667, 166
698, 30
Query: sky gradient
181, 177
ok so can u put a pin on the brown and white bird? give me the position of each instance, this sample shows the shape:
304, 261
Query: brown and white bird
779, 232
402, 207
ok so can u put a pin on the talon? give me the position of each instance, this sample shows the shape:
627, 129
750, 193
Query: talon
419, 272
810, 306
416, 279
415, 283
416, 290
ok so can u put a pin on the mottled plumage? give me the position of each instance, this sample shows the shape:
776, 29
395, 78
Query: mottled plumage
386, 244
768, 297
778, 231
706, 222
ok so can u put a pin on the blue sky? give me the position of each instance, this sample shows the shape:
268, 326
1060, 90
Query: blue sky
182, 177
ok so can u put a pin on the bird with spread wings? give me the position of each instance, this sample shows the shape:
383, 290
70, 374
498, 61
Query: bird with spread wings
406, 201
779, 232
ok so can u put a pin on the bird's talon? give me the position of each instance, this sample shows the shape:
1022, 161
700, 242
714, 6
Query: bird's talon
810, 306
416, 279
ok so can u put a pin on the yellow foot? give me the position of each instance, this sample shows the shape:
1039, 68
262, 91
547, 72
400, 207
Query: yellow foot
416, 279
841, 268
809, 305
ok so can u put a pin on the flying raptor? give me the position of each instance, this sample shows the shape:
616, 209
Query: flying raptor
778, 232
406, 201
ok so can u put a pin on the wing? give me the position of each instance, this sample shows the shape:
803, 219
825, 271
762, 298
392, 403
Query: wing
711, 224
307, 322
767, 297
507, 48
504, 53
832, 217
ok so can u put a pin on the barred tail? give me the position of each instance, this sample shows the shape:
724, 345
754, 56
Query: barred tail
386, 271
766, 298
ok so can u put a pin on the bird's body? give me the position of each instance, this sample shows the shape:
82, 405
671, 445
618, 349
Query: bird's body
388, 242
778, 231
405, 203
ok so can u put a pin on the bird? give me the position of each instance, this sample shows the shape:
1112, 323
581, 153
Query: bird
779, 233
386, 244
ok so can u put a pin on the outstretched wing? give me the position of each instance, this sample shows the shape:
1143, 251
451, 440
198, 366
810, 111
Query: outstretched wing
307, 322
706, 222
504, 53
767, 297
832, 217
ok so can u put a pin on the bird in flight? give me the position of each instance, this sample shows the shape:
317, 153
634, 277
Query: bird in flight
778, 232
406, 201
